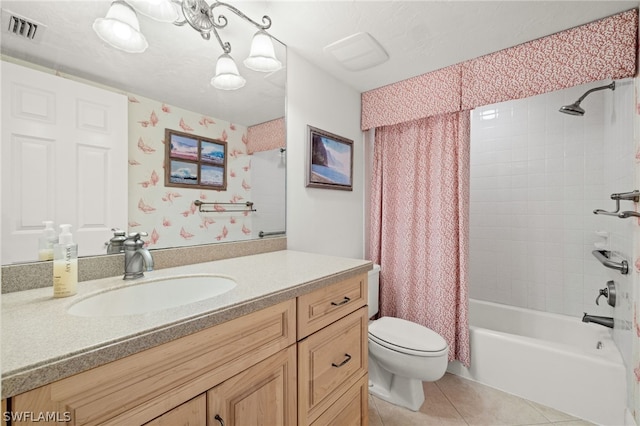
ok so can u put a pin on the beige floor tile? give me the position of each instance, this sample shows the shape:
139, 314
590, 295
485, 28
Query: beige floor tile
392, 415
577, 422
437, 406
482, 405
374, 417
552, 414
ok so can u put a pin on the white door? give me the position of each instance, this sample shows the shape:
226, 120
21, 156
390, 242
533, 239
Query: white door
64, 158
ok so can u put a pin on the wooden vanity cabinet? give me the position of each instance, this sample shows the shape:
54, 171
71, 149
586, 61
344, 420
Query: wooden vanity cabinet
192, 413
142, 387
333, 353
300, 362
262, 395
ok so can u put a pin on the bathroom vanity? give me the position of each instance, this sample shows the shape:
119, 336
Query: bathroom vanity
288, 345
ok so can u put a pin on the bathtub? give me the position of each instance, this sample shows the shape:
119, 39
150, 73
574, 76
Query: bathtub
555, 360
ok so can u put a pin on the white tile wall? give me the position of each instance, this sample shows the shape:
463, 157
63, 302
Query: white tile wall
536, 177
619, 166
268, 183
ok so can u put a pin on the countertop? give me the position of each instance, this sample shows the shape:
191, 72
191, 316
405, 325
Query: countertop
42, 343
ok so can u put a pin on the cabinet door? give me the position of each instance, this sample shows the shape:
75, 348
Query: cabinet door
191, 413
263, 395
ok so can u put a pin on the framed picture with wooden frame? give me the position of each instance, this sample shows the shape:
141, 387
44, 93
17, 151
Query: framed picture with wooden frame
193, 161
330, 160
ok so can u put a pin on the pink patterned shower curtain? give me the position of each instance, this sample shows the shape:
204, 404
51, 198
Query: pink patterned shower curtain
419, 224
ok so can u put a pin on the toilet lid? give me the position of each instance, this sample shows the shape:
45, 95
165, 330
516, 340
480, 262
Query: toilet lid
406, 336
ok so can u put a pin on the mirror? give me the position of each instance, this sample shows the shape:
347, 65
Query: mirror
173, 75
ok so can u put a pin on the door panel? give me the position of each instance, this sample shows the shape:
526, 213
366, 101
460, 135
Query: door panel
64, 158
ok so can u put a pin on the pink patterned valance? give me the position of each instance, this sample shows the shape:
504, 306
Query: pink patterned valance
604, 49
426, 95
266, 136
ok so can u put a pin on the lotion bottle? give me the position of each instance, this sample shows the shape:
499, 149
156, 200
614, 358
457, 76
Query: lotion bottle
65, 264
46, 241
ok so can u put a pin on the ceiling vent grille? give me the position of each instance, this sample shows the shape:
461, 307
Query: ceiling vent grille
21, 26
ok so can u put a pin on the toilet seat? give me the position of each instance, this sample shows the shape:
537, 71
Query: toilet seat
407, 337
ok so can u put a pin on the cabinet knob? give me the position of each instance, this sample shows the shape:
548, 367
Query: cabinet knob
219, 419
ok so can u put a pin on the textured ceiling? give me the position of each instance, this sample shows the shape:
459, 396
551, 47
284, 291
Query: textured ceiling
419, 36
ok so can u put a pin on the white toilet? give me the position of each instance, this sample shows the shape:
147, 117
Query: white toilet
402, 355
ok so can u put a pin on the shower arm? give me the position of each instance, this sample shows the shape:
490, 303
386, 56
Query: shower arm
611, 86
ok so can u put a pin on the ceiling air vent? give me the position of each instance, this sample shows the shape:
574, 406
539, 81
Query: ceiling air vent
22, 27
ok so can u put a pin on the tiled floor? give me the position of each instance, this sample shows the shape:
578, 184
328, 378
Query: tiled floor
456, 401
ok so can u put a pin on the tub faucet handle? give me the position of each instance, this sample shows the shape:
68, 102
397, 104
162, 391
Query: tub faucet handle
609, 292
603, 292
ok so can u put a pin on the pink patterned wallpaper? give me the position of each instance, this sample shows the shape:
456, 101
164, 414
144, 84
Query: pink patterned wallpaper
168, 214
266, 136
600, 50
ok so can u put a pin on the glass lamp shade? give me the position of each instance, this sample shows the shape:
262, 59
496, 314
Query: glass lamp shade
262, 56
227, 75
159, 10
120, 28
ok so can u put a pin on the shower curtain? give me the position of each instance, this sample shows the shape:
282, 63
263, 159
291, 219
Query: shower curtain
419, 224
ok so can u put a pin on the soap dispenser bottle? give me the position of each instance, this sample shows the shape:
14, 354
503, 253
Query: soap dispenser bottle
65, 264
47, 241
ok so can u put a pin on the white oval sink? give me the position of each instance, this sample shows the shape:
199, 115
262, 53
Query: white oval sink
152, 295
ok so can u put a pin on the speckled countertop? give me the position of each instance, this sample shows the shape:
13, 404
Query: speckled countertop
42, 343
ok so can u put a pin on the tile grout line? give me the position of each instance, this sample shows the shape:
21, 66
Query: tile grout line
375, 407
451, 402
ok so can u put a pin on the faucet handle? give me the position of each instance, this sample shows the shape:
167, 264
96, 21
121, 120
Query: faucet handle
115, 244
609, 292
603, 292
136, 235
133, 241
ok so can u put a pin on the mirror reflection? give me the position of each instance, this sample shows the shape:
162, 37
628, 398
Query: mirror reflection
168, 86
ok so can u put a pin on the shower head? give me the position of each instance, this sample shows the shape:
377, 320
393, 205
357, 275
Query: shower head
573, 109
576, 109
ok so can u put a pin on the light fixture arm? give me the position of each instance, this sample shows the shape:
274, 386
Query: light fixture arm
202, 18
266, 21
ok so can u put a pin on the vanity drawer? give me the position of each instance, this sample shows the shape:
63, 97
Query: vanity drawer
330, 362
352, 409
326, 305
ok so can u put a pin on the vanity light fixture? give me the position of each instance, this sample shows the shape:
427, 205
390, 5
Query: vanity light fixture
121, 29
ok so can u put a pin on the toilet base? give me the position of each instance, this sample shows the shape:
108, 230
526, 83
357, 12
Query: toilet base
395, 389
408, 393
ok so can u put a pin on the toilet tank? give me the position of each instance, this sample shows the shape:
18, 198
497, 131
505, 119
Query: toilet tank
373, 290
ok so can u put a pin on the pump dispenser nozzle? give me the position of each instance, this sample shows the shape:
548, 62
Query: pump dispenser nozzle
65, 234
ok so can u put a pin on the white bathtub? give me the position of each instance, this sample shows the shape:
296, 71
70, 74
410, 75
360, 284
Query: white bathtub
547, 358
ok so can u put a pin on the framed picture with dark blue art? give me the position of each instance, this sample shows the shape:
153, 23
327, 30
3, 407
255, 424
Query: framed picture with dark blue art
193, 161
330, 160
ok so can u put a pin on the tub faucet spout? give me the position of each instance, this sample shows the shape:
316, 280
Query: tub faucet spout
605, 321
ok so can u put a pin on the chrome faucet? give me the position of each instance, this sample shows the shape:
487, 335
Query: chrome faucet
605, 321
137, 258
